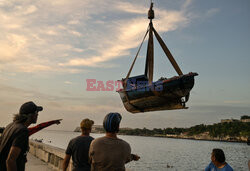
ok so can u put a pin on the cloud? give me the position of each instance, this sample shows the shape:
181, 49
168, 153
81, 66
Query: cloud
58, 36
127, 33
26, 10
69, 102
68, 82
11, 46
63, 105
73, 22
130, 8
211, 12
29, 40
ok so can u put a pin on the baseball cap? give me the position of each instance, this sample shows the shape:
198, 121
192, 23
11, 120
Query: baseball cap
86, 123
29, 107
111, 122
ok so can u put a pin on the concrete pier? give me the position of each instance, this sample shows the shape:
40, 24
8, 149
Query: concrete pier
36, 164
43, 157
52, 156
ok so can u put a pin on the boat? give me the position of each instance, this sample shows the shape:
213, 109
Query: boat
141, 94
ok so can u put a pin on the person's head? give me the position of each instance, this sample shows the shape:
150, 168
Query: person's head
86, 126
28, 112
218, 155
111, 122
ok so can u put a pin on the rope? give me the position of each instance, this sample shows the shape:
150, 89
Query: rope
125, 82
168, 53
134, 60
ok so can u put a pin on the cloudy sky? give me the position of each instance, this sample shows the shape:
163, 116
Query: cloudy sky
49, 48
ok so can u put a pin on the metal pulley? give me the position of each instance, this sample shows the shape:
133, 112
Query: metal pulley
151, 14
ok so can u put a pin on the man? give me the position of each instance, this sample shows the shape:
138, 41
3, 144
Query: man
109, 152
78, 148
15, 138
218, 161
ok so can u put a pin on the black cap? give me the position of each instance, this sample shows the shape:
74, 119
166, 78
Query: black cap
29, 107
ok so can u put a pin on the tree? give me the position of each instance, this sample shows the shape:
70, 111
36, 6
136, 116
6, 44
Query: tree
245, 117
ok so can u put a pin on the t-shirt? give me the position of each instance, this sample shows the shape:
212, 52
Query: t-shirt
212, 167
15, 134
78, 148
108, 154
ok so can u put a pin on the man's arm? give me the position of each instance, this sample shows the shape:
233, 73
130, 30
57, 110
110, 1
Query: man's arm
132, 157
66, 162
135, 157
40, 126
11, 160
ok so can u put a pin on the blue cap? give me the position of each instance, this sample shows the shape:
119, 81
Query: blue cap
111, 122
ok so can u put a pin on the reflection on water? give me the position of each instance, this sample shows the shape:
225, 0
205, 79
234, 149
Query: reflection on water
158, 154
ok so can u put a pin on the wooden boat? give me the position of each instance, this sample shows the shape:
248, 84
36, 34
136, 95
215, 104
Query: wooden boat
141, 94
165, 94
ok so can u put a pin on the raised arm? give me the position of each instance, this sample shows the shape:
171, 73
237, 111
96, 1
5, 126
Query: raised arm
40, 126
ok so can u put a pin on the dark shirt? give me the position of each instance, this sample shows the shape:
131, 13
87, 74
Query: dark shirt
15, 134
78, 148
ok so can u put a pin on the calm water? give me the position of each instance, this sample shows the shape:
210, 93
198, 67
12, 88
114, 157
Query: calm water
158, 154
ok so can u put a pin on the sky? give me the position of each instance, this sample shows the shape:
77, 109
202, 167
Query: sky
48, 49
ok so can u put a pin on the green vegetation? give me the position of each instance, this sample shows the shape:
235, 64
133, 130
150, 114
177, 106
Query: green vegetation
245, 117
155, 131
231, 129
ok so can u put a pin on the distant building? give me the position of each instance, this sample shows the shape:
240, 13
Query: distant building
229, 120
245, 120
171, 135
100, 129
234, 120
126, 128
97, 129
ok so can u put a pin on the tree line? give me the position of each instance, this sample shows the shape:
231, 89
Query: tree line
231, 129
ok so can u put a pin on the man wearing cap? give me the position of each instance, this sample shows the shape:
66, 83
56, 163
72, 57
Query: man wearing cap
15, 138
78, 148
109, 152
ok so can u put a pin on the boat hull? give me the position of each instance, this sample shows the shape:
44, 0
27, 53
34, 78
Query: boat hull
167, 94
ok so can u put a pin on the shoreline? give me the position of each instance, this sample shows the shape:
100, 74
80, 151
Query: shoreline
185, 138
199, 138
190, 138
233, 139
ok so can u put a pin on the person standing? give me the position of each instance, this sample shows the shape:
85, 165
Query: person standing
110, 152
218, 161
15, 138
78, 148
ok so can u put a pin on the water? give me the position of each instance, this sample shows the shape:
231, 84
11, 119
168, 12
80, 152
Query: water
160, 154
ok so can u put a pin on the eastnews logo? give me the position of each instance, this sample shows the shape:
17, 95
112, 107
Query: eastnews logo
133, 85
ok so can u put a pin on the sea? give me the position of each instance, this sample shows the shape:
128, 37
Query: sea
163, 154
